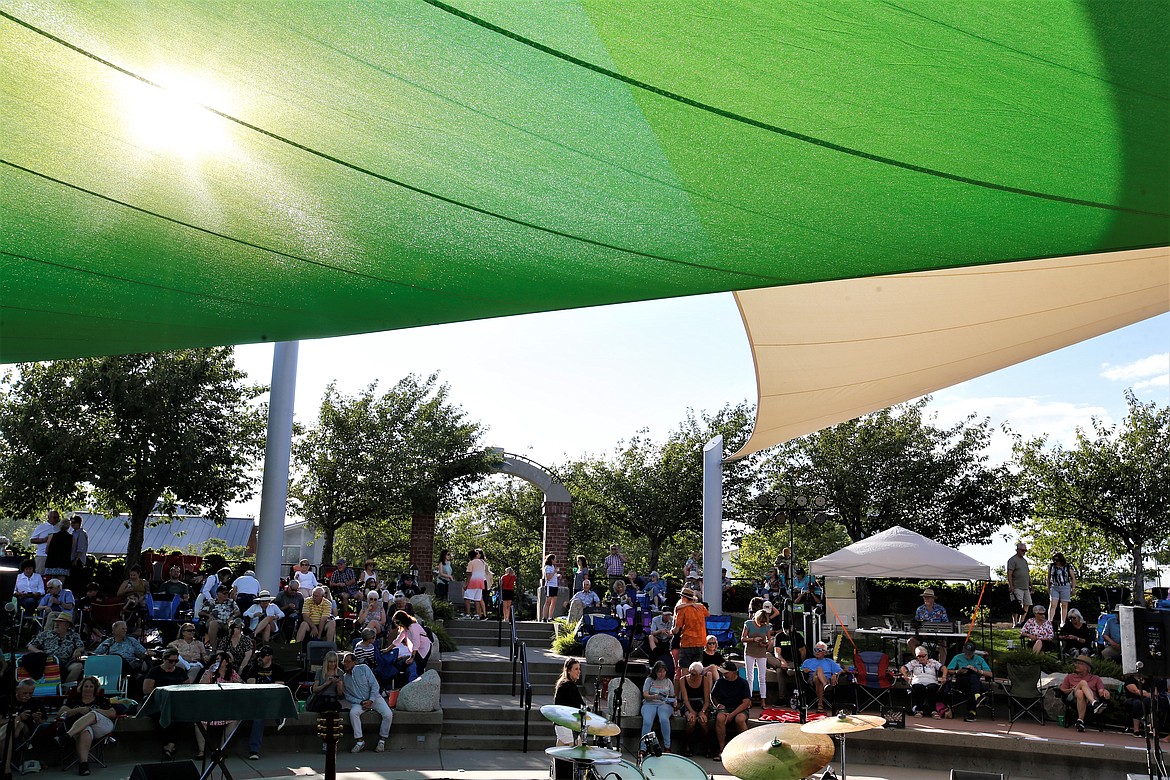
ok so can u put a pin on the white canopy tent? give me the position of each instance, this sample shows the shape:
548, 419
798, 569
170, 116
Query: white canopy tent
899, 552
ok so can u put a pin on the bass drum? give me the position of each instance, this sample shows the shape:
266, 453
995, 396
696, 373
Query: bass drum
671, 767
622, 770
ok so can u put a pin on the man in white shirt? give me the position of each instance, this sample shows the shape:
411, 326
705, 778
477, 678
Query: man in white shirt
263, 616
40, 537
247, 587
587, 596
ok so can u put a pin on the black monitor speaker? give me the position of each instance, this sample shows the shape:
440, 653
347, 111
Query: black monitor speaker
168, 770
1145, 637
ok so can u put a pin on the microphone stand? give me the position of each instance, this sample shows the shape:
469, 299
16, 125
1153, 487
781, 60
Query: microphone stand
616, 715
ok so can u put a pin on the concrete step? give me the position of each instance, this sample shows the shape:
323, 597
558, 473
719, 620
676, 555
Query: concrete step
513, 742
494, 727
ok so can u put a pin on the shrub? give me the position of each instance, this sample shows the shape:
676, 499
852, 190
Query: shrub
565, 637
1022, 656
444, 610
446, 643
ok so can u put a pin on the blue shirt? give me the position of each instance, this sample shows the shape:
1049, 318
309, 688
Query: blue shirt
961, 661
807, 583
360, 684
935, 614
828, 665
129, 648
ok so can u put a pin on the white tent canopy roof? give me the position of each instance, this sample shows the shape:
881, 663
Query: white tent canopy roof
899, 552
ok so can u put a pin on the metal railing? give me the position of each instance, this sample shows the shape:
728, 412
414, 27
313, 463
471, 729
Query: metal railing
515, 651
526, 693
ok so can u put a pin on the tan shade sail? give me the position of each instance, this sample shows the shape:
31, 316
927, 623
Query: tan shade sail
832, 351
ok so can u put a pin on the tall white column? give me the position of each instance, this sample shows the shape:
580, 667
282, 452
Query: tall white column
713, 525
277, 453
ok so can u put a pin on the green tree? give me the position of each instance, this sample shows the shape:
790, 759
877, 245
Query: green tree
894, 467
757, 550
654, 491
1113, 484
372, 459
130, 433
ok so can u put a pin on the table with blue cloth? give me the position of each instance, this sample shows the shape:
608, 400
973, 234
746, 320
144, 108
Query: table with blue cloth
223, 701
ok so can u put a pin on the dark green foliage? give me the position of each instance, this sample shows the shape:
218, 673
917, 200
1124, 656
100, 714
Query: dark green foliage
443, 609
894, 467
1024, 657
446, 643
130, 433
1108, 494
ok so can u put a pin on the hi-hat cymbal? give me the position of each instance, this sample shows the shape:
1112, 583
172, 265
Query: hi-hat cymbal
843, 724
570, 718
584, 753
777, 751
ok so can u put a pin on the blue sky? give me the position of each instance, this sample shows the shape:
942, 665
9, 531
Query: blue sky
562, 384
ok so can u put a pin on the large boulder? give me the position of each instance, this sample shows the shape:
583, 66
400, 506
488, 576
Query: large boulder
423, 608
603, 649
576, 610
631, 697
421, 694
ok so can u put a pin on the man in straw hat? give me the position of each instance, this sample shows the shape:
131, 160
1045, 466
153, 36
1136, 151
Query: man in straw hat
263, 616
63, 643
690, 625
1084, 689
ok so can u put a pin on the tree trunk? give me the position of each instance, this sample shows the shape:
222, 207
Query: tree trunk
327, 546
137, 533
1139, 575
652, 561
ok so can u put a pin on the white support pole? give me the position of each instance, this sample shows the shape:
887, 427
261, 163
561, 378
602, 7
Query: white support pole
713, 525
277, 453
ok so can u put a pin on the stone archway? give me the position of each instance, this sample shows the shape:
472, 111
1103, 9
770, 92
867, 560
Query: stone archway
556, 510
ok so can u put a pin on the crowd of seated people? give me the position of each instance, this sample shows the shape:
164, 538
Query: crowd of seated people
222, 631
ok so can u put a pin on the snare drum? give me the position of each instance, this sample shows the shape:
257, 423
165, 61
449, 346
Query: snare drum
623, 770
671, 767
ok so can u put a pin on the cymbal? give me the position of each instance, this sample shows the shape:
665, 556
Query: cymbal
777, 751
570, 718
584, 753
843, 724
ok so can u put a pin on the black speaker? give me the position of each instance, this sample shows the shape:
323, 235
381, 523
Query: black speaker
1145, 637
168, 770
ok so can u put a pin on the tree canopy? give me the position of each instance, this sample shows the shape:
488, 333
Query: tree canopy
896, 467
1112, 486
130, 433
371, 459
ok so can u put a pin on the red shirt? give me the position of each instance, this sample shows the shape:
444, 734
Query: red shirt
508, 582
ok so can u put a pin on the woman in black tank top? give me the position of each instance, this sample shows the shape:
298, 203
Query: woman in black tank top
694, 692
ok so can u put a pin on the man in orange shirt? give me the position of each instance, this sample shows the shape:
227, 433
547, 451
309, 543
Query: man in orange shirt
690, 624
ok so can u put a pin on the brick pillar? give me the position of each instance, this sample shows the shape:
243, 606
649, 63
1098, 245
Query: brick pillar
422, 544
556, 542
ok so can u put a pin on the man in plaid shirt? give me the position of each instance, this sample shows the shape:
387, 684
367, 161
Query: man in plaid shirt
615, 564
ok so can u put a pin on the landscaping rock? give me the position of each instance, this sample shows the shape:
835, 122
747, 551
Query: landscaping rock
576, 610
423, 607
631, 697
603, 649
421, 694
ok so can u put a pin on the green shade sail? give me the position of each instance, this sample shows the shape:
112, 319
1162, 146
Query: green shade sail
193, 173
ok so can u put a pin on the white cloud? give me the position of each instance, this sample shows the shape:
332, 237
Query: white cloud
1027, 416
1138, 369
1158, 381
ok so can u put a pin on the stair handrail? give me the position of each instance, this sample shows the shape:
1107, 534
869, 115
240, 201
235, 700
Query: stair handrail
526, 697
515, 654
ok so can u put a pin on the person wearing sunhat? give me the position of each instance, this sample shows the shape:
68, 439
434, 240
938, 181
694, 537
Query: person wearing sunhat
969, 671
1084, 689
690, 625
263, 616
63, 643
929, 611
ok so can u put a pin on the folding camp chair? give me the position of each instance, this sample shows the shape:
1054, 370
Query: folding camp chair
719, 626
49, 683
108, 671
603, 624
1023, 693
874, 679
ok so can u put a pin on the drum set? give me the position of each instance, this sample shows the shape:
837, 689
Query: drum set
774, 751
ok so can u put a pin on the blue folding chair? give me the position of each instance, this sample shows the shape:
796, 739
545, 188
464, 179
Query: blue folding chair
719, 626
108, 671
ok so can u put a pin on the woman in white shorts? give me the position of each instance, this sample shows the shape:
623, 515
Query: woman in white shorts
92, 718
476, 581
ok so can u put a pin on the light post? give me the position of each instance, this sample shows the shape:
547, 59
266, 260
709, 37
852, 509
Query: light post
800, 510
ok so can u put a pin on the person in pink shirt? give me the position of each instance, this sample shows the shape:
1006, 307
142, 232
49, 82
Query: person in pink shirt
1084, 689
